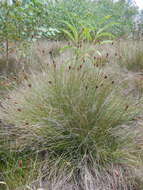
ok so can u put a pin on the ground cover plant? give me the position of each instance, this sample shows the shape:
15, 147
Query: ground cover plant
75, 113
70, 95
75, 85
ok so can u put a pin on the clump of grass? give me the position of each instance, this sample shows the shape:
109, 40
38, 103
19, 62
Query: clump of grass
113, 177
17, 169
6, 84
139, 85
8, 66
131, 55
75, 113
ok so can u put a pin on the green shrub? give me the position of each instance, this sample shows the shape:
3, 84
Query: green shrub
92, 14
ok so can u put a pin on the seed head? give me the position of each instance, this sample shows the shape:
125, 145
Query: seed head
29, 85
113, 82
20, 163
127, 106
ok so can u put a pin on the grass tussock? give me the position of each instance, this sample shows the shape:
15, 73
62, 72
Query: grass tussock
131, 55
89, 178
76, 113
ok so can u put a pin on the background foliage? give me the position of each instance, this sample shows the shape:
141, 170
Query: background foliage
25, 19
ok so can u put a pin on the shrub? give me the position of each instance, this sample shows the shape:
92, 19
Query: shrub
92, 14
75, 113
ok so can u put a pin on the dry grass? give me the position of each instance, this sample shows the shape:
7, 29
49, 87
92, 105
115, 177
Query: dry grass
51, 106
131, 55
75, 107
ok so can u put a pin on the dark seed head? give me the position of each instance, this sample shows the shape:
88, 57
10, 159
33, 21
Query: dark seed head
20, 163
19, 109
96, 87
127, 106
29, 85
105, 77
50, 82
50, 52
113, 82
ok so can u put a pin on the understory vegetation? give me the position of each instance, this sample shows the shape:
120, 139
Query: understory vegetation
71, 86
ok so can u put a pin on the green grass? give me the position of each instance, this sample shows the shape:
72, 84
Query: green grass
69, 125
17, 169
131, 55
75, 113
71, 121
